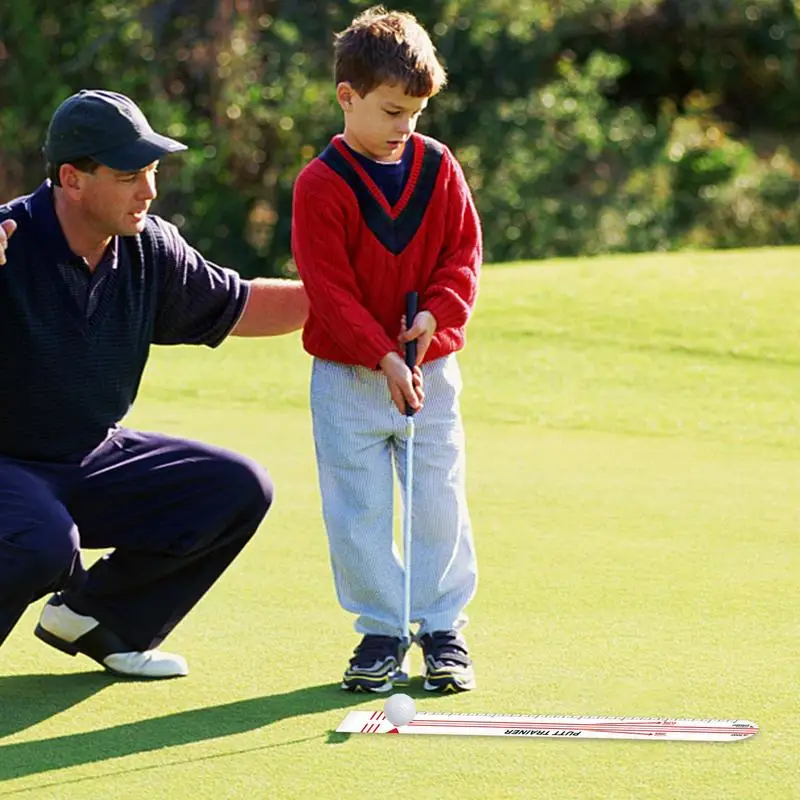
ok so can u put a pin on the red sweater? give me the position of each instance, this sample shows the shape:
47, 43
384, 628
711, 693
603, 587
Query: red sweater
358, 256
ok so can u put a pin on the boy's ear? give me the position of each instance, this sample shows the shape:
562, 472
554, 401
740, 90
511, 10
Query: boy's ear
344, 96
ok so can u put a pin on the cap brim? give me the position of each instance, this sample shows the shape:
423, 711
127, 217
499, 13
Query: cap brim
137, 155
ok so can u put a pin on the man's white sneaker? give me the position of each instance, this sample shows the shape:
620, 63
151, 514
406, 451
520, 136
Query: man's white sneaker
72, 633
147, 664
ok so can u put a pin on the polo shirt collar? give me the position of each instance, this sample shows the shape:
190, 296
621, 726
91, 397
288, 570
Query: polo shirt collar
49, 235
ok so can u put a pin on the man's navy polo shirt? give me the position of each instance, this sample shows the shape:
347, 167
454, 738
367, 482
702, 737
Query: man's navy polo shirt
87, 286
70, 364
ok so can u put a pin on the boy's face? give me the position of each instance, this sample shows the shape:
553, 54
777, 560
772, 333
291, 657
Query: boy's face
379, 124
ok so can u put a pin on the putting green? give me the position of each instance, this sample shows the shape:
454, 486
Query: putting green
634, 462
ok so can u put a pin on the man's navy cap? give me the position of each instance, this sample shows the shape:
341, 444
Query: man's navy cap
107, 127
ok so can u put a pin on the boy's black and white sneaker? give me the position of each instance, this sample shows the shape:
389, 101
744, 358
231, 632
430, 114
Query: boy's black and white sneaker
448, 667
374, 666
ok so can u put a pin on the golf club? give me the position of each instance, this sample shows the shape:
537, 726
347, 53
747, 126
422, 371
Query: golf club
402, 676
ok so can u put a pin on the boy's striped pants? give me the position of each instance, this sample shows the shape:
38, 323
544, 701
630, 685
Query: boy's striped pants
360, 442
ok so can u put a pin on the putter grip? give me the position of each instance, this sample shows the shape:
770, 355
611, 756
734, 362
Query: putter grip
412, 306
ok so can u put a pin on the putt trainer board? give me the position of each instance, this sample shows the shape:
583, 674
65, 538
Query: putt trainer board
536, 727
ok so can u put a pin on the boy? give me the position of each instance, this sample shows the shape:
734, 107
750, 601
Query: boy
381, 212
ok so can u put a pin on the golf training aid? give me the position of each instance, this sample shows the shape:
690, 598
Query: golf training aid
412, 301
517, 726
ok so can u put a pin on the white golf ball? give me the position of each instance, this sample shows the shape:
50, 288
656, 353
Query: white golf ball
400, 709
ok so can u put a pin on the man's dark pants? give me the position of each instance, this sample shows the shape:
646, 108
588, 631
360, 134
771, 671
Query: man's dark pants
175, 512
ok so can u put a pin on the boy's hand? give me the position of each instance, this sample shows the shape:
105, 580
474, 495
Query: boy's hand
405, 385
7, 228
422, 329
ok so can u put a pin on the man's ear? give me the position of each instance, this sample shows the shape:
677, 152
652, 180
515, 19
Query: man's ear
70, 178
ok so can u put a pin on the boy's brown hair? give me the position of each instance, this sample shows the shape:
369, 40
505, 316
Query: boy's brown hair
390, 47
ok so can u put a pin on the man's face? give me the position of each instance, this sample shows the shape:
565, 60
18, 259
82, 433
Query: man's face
114, 203
379, 124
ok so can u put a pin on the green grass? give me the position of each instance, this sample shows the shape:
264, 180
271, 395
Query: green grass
634, 465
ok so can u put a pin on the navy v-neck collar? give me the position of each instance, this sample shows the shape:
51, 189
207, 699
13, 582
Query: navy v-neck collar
394, 226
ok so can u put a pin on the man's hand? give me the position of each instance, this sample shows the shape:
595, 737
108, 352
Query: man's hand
405, 385
422, 329
7, 228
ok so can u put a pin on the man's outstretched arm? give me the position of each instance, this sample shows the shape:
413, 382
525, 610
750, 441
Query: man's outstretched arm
274, 306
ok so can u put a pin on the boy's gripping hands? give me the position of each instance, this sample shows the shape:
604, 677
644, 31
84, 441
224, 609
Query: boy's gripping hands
422, 329
405, 385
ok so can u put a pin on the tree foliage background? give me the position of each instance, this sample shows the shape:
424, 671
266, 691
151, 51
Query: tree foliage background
584, 126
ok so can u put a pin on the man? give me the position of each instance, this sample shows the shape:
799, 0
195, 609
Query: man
89, 281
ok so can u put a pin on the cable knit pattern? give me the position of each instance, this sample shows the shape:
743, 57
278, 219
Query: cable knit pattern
356, 285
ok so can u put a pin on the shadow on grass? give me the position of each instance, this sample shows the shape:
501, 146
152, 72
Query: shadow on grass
184, 727
27, 700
